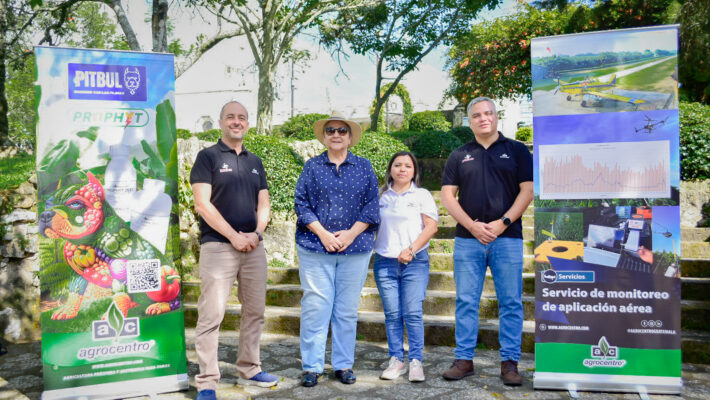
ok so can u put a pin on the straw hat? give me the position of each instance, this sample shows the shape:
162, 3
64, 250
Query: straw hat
355, 129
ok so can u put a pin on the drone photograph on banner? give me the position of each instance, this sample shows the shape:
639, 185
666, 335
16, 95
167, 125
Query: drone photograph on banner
588, 75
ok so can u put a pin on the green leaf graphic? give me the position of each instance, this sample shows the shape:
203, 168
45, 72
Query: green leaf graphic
115, 318
604, 346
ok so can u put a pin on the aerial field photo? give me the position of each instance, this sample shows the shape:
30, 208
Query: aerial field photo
594, 75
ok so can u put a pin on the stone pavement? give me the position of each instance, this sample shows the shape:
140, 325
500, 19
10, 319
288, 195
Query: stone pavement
21, 375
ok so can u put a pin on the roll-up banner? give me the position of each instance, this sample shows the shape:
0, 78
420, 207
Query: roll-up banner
111, 312
607, 220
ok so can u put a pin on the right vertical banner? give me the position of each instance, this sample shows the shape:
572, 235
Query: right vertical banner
607, 218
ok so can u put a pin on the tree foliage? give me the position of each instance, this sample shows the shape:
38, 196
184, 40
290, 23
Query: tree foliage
399, 34
270, 27
493, 57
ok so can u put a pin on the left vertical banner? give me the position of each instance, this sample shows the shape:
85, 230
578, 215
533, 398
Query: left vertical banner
112, 317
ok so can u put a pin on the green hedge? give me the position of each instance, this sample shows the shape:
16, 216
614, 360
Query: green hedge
183, 133
524, 134
434, 144
300, 127
282, 167
464, 133
429, 121
378, 148
694, 141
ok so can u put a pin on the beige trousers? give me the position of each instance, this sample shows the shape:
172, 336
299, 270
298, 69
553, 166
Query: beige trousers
220, 265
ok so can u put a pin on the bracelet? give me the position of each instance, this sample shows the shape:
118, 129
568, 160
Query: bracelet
411, 251
259, 235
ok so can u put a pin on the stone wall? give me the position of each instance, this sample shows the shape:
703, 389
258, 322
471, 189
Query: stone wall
19, 264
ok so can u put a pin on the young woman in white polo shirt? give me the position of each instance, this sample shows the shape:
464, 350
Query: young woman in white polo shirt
408, 220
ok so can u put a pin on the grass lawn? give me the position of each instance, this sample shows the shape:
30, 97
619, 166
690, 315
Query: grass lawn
648, 79
16, 170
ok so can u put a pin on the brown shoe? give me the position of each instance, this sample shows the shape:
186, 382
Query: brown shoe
509, 373
459, 369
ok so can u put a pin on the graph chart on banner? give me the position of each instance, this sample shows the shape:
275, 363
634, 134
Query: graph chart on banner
605, 170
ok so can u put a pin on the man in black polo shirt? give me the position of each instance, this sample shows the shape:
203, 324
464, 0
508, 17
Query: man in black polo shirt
232, 199
493, 177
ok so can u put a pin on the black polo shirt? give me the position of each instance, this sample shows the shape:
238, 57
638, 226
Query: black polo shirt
236, 181
489, 180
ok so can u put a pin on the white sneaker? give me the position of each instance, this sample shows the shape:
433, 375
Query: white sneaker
394, 370
416, 372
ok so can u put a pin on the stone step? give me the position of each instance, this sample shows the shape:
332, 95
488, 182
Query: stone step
695, 250
447, 246
694, 234
448, 232
438, 330
695, 288
692, 288
436, 194
438, 280
695, 267
694, 313
445, 262
446, 221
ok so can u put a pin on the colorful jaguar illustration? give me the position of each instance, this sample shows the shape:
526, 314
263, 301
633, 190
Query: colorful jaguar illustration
98, 247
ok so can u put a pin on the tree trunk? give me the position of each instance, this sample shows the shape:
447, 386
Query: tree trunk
4, 125
160, 26
125, 24
375, 117
265, 101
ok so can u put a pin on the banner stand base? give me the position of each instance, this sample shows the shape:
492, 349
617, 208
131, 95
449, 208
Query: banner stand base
123, 389
573, 383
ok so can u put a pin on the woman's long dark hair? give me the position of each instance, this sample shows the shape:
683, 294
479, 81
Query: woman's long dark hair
388, 173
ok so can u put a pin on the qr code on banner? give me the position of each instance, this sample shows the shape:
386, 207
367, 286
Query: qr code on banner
143, 275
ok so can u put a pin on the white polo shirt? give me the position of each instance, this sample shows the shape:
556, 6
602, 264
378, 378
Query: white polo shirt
401, 219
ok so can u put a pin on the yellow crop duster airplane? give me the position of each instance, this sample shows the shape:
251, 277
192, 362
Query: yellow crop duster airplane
593, 90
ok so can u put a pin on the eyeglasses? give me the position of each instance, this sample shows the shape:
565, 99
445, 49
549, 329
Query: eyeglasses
341, 131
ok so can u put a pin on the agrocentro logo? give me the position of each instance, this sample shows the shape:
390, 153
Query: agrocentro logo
604, 355
107, 82
116, 327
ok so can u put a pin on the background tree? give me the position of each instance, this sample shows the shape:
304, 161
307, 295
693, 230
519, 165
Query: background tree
270, 27
399, 34
695, 50
20, 22
493, 57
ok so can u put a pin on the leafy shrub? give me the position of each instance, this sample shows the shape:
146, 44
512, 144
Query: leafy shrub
301, 126
524, 134
434, 144
429, 121
16, 170
210, 135
183, 134
378, 148
282, 167
404, 136
694, 141
464, 133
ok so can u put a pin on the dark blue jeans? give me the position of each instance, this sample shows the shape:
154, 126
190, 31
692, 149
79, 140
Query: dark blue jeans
471, 259
403, 289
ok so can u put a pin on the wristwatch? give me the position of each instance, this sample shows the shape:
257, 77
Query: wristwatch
259, 235
506, 220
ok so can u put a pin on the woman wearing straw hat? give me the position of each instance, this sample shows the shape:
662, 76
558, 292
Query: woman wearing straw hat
336, 205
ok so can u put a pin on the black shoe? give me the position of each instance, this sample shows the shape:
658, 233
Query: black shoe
310, 379
346, 376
